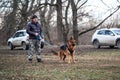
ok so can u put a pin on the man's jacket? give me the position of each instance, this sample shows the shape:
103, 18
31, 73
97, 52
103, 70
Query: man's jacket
33, 28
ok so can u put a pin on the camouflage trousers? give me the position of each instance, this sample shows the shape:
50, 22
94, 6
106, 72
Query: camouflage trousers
34, 47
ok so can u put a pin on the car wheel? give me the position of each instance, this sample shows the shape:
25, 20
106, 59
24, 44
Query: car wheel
96, 44
118, 44
111, 46
24, 46
11, 46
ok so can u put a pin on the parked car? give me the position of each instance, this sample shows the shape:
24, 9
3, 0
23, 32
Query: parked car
19, 39
106, 37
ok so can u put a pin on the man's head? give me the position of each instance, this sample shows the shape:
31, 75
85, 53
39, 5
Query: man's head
34, 18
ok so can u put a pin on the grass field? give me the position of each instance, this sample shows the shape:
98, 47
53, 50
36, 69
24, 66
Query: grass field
91, 64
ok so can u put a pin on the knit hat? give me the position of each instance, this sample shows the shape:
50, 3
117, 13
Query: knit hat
34, 16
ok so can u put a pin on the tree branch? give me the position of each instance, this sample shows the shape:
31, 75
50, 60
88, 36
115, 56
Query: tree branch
100, 22
118, 1
82, 4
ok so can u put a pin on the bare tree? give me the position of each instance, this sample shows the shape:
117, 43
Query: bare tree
45, 17
66, 26
10, 19
18, 17
59, 19
90, 29
19, 12
26, 9
74, 15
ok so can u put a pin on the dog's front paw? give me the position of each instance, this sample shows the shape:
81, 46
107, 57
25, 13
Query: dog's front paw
74, 62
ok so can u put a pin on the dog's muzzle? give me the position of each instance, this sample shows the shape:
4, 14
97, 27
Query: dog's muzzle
73, 44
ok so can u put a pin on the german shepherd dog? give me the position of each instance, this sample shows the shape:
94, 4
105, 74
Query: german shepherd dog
67, 50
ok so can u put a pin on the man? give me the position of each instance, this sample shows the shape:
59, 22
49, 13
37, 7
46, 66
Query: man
34, 29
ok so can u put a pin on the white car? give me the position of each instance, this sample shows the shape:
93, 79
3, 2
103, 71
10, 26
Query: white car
106, 37
19, 39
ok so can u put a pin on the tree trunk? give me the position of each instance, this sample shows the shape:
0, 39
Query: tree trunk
59, 20
66, 26
10, 21
44, 23
75, 25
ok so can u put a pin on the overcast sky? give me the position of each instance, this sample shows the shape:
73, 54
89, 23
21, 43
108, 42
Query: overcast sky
102, 9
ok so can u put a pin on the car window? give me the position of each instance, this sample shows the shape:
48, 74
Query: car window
101, 32
24, 33
21, 34
16, 35
116, 32
108, 32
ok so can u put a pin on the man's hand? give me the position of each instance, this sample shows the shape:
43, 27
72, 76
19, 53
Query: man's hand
36, 34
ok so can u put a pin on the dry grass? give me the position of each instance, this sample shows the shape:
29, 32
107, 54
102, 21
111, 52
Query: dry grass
91, 64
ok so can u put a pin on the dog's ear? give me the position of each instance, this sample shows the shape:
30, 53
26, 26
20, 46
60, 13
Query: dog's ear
71, 38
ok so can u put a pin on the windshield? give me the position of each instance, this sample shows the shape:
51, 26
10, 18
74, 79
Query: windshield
116, 32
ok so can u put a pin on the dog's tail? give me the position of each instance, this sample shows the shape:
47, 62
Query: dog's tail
54, 52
